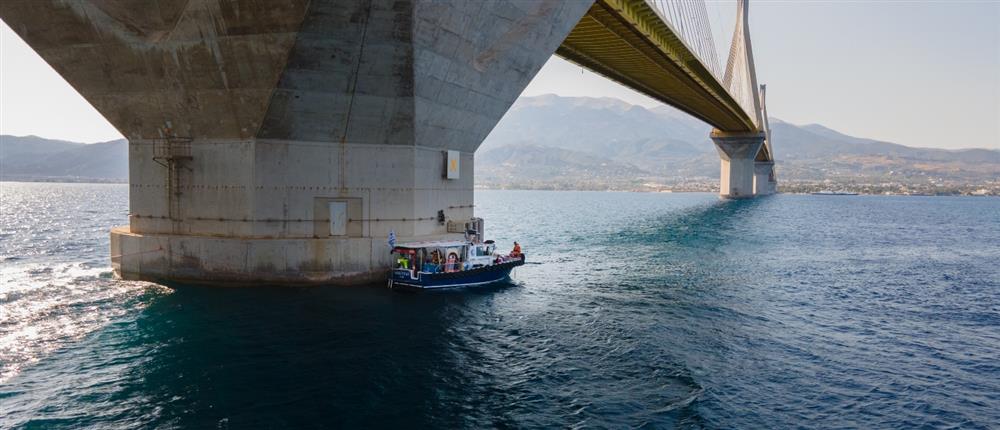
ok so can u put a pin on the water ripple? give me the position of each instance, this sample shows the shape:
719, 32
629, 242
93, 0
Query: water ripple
641, 310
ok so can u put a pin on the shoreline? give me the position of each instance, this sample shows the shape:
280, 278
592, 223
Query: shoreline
101, 181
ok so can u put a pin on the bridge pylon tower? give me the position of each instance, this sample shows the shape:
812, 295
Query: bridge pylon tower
747, 165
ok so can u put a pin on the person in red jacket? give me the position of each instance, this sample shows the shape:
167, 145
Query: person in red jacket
516, 252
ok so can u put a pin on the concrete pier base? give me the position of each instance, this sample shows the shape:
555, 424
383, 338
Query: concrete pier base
282, 212
737, 152
242, 262
764, 182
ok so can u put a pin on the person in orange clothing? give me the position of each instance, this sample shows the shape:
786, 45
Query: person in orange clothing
516, 252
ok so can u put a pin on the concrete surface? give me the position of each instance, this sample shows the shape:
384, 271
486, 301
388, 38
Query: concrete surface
245, 118
737, 152
764, 182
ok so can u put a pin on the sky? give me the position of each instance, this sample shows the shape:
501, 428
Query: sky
919, 73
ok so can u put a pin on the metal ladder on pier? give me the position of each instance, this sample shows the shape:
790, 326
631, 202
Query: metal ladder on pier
173, 152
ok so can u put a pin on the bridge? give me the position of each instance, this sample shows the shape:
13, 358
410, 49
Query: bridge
283, 142
665, 50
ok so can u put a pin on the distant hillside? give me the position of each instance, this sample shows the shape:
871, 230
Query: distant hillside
596, 143
36, 158
595, 125
667, 146
816, 152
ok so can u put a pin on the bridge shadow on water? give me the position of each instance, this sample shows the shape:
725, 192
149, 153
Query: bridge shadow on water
317, 357
689, 244
353, 357
299, 358
712, 224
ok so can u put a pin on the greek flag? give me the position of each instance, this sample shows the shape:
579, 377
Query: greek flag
392, 239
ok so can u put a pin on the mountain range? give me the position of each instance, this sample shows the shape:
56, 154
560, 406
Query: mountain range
36, 158
551, 141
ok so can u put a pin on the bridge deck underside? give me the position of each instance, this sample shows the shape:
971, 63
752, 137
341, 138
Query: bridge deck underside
626, 41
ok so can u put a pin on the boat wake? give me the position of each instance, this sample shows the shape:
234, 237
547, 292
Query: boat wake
47, 307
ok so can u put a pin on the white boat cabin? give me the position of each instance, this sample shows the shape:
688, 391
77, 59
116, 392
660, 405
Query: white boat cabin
445, 256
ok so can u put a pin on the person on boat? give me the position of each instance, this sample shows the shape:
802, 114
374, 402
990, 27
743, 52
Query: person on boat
452, 264
516, 252
403, 262
434, 265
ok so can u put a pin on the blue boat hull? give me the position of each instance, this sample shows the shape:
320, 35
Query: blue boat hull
465, 278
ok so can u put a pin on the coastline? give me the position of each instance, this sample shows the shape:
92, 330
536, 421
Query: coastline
988, 190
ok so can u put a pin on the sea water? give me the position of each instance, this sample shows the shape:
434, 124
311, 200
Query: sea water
635, 310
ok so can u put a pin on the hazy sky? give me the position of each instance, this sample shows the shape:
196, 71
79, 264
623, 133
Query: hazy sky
912, 72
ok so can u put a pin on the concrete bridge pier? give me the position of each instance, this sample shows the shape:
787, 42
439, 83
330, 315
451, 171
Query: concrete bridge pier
764, 182
283, 142
737, 152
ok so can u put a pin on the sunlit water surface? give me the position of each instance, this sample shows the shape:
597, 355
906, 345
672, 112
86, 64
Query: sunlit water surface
636, 310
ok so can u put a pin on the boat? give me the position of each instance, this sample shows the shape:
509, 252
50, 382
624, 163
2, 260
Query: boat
833, 193
450, 264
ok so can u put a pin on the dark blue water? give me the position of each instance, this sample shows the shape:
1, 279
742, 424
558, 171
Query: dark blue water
643, 310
